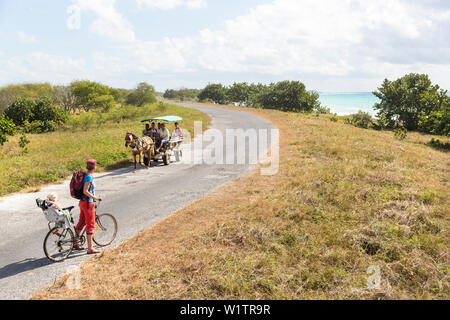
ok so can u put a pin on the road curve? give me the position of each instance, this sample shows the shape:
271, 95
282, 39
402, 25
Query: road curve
137, 201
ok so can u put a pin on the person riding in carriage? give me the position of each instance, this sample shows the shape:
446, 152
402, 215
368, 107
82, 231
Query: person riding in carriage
153, 130
164, 136
147, 131
178, 133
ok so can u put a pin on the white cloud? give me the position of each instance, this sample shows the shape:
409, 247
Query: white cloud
327, 37
330, 45
26, 38
196, 4
109, 66
438, 72
358, 41
109, 22
171, 4
39, 66
167, 55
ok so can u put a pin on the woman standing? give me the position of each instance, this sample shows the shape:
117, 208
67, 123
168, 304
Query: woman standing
87, 207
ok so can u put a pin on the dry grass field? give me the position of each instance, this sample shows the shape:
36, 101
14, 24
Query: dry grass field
345, 199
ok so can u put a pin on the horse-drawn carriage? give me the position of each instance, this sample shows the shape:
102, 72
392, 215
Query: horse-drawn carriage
170, 148
150, 149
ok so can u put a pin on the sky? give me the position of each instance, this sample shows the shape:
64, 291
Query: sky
330, 45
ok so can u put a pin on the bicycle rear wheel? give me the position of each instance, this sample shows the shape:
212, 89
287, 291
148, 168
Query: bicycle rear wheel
105, 231
58, 244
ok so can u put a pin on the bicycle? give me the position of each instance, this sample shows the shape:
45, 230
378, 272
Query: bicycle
60, 240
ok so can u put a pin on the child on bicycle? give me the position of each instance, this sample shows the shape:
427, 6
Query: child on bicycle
53, 198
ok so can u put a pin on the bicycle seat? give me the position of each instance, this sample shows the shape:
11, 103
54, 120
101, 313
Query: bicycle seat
69, 209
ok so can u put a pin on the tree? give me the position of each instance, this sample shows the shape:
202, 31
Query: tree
289, 96
238, 93
7, 128
408, 99
120, 95
92, 95
254, 94
188, 94
65, 99
11, 93
213, 92
182, 94
143, 94
170, 94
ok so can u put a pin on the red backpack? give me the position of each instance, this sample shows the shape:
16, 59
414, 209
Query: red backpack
76, 185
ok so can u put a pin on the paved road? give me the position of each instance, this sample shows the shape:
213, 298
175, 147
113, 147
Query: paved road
137, 200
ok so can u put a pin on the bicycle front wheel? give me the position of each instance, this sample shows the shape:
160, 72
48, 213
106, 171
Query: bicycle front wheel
58, 244
105, 231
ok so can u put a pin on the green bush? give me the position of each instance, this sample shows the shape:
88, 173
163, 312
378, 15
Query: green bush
23, 143
401, 133
45, 110
334, 118
20, 111
238, 93
85, 120
182, 94
406, 101
361, 120
437, 122
48, 126
171, 94
437, 144
143, 94
7, 128
36, 116
214, 92
322, 109
289, 96
38, 126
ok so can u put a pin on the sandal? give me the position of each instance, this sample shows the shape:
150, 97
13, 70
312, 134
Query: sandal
94, 252
77, 247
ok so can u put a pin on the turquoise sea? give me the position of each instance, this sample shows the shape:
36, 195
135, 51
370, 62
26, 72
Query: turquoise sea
349, 103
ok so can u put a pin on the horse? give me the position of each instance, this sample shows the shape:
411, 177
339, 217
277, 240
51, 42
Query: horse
140, 146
